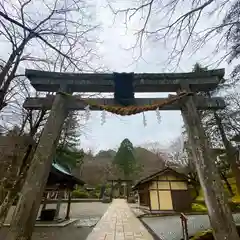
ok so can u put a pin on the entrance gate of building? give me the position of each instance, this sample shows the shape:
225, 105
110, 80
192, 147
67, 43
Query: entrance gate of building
186, 85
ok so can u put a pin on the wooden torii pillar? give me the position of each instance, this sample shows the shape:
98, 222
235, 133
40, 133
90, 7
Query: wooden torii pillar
126, 182
219, 212
26, 212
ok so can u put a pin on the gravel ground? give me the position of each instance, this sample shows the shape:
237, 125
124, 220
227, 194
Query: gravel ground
169, 228
54, 233
78, 210
88, 214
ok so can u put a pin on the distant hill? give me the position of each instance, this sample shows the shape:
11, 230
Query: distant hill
97, 169
109, 153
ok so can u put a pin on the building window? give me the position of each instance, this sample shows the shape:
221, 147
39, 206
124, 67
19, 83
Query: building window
163, 185
178, 186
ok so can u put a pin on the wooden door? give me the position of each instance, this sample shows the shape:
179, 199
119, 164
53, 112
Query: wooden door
165, 199
182, 200
154, 200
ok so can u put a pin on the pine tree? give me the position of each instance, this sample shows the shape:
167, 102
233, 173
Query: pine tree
125, 159
70, 136
67, 154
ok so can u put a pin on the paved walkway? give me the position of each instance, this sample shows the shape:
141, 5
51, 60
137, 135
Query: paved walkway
119, 223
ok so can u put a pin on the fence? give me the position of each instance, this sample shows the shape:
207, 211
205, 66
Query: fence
184, 226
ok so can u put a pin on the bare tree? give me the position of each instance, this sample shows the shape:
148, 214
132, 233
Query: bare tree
220, 127
176, 152
181, 24
159, 151
64, 43
28, 121
27, 124
63, 34
229, 117
181, 158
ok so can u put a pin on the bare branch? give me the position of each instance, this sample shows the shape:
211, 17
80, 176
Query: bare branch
179, 24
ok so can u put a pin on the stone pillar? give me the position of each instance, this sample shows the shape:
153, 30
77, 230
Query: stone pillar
219, 212
25, 215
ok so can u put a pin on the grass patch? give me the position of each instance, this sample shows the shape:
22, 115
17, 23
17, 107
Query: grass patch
200, 196
204, 235
207, 235
234, 202
198, 207
234, 199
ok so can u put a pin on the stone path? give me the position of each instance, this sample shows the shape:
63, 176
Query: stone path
119, 223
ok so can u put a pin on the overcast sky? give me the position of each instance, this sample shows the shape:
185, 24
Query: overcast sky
115, 41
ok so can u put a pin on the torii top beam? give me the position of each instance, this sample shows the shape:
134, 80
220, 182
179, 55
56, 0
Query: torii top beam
143, 82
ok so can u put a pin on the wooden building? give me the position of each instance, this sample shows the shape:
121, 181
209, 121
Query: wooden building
61, 183
166, 190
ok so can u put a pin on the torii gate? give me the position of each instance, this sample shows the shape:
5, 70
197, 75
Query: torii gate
65, 83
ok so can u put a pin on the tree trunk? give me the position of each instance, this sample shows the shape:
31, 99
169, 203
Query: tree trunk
16, 187
9, 197
230, 151
6, 205
196, 190
224, 178
36, 125
4, 181
25, 215
220, 215
12, 58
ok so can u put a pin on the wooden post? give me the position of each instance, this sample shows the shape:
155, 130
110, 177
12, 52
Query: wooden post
124, 190
111, 190
220, 215
44, 205
25, 215
68, 205
59, 201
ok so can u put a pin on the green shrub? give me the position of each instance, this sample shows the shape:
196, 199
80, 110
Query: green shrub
236, 199
93, 195
199, 207
80, 194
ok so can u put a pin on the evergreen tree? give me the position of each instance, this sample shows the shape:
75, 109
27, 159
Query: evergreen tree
70, 135
67, 153
69, 158
125, 159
